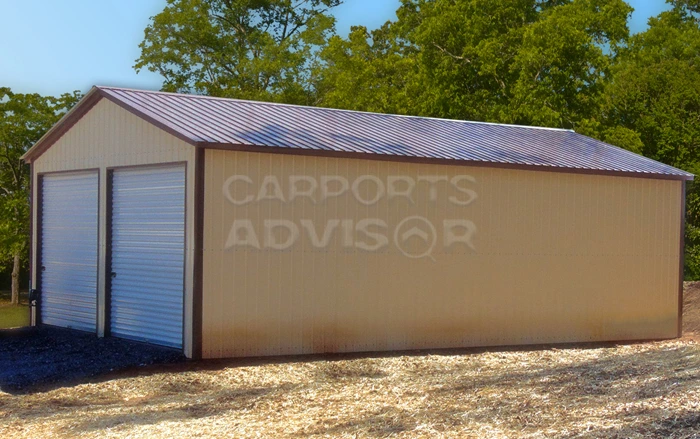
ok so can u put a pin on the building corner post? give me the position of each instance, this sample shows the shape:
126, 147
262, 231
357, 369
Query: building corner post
681, 258
198, 253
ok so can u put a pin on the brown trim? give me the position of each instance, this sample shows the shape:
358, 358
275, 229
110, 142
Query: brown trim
148, 118
62, 126
31, 234
198, 269
433, 161
97, 251
108, 255
185, 202
69, 171
681, 264
37, 268
79, 110
148, 165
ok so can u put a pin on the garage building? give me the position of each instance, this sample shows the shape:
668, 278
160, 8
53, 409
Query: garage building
231, 228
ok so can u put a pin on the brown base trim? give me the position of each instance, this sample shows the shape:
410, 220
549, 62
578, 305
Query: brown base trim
458, 350
198, 277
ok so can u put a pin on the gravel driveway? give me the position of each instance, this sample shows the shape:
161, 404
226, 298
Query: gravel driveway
39, 358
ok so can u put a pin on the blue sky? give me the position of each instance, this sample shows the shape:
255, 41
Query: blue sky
51, 47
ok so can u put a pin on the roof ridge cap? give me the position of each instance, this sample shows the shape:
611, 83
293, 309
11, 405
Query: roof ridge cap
281, 104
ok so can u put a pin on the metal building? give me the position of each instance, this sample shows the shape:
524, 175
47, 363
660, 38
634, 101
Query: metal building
233, 228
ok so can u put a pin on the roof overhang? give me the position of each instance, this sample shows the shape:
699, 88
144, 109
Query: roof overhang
63, 125
436, 161
78, 111
96, 94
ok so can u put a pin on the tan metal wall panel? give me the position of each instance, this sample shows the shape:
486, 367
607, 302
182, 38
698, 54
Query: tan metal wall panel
557, 258
110, 136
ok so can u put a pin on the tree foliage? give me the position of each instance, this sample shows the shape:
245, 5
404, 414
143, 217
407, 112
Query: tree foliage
654, 90
540, 62
368, 71
251, 49
24, 119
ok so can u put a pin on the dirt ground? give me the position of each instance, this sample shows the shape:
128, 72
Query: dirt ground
615, 391
691, 309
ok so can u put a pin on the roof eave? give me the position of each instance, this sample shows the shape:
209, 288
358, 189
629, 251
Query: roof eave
97, 93
76, 113
148, 117
63, 125
441, 161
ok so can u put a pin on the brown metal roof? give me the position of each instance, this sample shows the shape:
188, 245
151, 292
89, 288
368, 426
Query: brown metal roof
261, 126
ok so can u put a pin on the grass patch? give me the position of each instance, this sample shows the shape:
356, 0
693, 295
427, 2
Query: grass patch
13, 316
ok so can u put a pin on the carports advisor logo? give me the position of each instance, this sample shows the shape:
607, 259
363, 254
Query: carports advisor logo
417, 216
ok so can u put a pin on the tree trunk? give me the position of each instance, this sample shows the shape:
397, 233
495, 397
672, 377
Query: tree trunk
15, 280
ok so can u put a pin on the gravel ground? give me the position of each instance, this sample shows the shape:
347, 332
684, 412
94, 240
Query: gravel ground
644, 390
637, 390
38, 358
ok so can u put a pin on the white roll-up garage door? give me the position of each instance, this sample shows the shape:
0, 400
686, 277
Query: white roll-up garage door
148, 254
68, 253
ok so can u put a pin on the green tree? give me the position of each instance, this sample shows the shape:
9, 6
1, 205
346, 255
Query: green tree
24, 118
250, 49
655, 90
368, 71
540, 62
652, 103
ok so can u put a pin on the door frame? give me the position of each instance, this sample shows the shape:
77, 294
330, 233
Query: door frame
109, 180
39, 223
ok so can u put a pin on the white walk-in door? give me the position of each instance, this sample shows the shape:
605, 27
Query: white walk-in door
147, 254
68, 252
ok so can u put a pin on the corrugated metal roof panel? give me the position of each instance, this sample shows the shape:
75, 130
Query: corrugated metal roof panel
206, 120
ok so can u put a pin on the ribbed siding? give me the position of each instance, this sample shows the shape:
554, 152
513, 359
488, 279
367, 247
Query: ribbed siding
557, 258
69, 226
148, 250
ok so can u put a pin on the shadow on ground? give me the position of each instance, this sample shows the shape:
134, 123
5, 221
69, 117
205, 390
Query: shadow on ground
41, 358
456, 393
